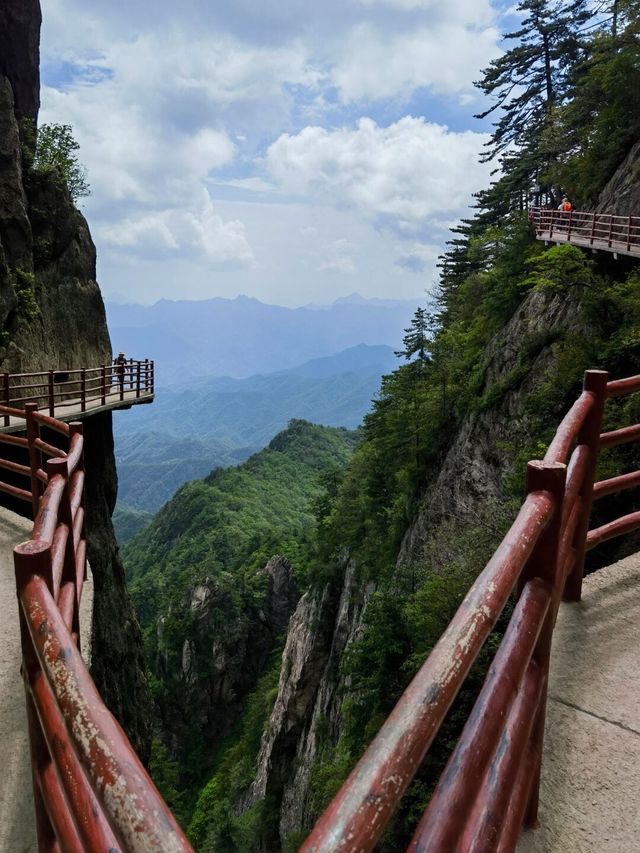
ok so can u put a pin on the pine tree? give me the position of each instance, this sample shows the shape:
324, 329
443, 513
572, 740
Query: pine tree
526, 82
418, 337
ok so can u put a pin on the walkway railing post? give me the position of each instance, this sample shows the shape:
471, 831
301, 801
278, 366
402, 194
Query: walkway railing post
7, 397
628, 233
34, 558
83, 389
103, 385
52, 399
595, 381
544, 563
137, 378
35, 461
570, 224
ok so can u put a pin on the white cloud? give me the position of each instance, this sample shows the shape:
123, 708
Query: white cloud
444, 59
178, 104
338, 265
407, 174
186, 233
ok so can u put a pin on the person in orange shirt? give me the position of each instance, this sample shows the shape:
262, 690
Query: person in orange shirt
566, 206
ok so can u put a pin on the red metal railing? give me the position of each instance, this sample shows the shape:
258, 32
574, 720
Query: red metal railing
489, 788
57, 390
606, 231
91, 792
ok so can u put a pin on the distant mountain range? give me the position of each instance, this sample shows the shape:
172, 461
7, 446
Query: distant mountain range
243, 336
217, 422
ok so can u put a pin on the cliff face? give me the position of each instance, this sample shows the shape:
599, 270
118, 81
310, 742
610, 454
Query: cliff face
621, 196
20, 53
203, 693
52, 315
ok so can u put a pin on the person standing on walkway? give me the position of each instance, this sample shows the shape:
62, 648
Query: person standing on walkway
119, 363
565, 206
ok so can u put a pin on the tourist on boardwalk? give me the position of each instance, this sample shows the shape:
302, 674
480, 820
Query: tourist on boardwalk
565, 206
119, 364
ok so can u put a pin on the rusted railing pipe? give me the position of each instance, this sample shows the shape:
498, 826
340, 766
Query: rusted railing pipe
358, 815
134, 808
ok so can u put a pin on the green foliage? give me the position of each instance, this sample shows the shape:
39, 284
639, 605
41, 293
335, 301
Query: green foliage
25, 292
214, 825
128, 522
560, 268
234, 518
56, 153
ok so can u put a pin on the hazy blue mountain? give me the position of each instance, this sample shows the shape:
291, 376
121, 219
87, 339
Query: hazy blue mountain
221, 421
241, 337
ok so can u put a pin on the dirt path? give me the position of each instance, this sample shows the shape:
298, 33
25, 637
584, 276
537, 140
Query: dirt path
590, 792
17, 830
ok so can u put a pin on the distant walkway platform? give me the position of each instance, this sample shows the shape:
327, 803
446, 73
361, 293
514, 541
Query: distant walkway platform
590, 789
605, 232
17, 821
73, 394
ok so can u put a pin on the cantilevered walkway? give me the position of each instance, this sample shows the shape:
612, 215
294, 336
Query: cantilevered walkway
69, 395
619, 235
590, 787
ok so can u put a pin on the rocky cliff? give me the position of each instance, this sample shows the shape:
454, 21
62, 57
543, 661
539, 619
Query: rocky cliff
621, 196
52, 315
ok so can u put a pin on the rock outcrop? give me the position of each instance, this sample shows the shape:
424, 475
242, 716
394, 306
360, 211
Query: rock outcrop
621, 196
52, 315
20, 53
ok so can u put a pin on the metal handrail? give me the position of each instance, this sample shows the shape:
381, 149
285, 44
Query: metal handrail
489, 789
90, 790
606, 231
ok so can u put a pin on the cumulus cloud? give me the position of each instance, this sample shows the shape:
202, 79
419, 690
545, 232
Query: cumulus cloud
179, 108
445, 59
406, 175
182, 233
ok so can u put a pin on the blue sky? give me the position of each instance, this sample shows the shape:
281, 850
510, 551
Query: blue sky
291, 151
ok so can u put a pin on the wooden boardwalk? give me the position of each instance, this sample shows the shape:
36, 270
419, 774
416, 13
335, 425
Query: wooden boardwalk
590, 790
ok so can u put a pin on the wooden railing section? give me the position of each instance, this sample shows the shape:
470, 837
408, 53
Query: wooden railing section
489, 788
604, 231
57, 390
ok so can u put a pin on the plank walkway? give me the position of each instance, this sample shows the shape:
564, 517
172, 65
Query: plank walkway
617, 247
590, 792
17, 828
72, 410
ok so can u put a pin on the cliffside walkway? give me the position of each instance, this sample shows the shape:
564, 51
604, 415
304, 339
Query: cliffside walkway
17, 824
69, 395
606, 232
590, 787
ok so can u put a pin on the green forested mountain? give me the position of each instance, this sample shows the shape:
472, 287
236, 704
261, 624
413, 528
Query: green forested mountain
202, 570
221, 421
438, 473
